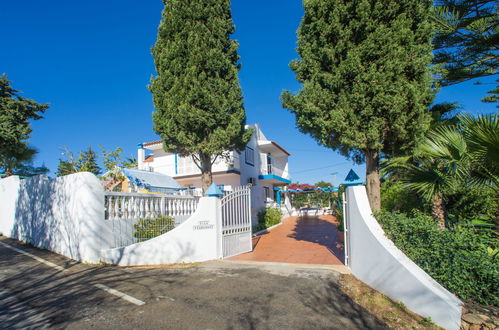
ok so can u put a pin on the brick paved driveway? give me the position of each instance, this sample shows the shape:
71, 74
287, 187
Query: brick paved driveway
305, 240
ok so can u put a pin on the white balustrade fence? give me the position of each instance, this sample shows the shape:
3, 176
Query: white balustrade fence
127, 212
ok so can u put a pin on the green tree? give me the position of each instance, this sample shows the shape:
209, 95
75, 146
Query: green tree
451, 156
196, 93
65, 168
366, 86
493, 96
87, 162
18, 161
130, 162
15, 129
466, 42
324, 199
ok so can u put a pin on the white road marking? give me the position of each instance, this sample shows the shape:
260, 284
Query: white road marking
62, 269
43, 261
120, 294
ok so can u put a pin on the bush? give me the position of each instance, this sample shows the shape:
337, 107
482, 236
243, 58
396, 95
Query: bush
472, 204
338, 209
394, 197
149, 228
458, 259
268, 217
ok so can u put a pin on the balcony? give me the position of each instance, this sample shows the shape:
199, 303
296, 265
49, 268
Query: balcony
272, 174
186, 165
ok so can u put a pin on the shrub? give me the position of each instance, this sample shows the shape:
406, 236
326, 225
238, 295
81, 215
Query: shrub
469, 204
395, 197
339, 218
268, 217
338, 208
149, 228
458, 258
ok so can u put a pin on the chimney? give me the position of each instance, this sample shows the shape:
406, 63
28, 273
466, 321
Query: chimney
141, 155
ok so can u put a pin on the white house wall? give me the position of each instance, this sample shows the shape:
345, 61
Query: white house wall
163, 163
169, 164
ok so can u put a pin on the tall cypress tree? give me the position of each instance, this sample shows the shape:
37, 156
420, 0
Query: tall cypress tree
15, 127
196, 93
365, 80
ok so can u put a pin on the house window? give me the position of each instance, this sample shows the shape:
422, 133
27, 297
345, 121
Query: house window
266, 192
249, 156
269, 164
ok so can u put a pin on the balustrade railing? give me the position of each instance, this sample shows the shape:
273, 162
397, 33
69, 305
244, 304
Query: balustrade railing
147, 206
129, 214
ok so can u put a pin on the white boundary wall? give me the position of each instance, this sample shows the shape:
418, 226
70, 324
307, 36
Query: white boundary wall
196, 239
375, 260
64, 215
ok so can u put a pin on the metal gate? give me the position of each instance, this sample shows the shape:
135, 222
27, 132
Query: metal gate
236, 222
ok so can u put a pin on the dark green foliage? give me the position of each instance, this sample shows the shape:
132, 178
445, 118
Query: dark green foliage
19, 162
493, 96
28, 169
146, 229
87, 162
472, 204
15, 128
396, 197
466, 39
443, 114
65, 167
300, 199
458, 259
338, 208
364, 72
130, 162
268, 217
196, 93
450, 159
323, 199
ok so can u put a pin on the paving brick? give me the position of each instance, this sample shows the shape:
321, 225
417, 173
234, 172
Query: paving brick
306, 240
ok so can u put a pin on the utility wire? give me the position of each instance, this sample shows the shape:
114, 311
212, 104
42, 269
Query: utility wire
320, 168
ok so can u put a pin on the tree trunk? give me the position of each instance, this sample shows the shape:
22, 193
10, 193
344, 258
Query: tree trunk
372, 180
438, 211
206, 176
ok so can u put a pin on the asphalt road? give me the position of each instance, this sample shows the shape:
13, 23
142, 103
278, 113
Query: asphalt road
213, 295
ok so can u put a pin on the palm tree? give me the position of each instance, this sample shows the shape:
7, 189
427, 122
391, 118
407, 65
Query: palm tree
462, 154
482, 139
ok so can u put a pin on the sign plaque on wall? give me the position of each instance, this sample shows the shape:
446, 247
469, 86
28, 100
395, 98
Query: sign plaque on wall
203, 225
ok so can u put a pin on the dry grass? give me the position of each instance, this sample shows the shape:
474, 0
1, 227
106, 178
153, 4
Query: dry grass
394, 314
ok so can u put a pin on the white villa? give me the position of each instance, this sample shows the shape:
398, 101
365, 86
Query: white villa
263, 164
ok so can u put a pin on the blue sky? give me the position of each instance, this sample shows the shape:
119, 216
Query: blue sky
91, 61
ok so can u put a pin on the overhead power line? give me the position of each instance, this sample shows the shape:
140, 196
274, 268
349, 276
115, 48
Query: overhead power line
320, 168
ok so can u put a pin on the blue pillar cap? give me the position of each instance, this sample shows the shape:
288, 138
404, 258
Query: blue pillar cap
140, 146
352, 179
214, 191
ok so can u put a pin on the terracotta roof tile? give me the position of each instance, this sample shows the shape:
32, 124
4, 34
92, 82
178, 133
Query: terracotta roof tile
152, 143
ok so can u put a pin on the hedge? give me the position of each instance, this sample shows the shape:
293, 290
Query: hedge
268, 217
146, 229
459, 259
